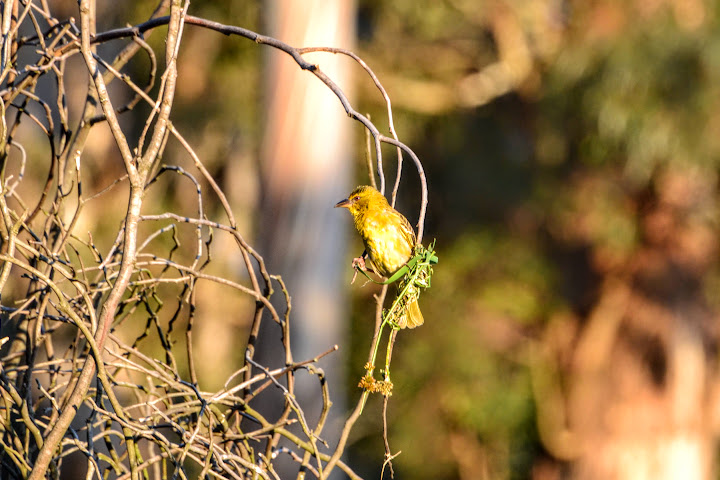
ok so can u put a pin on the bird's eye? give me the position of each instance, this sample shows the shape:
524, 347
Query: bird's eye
356, 198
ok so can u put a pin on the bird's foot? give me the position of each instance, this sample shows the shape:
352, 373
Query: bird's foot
358, 263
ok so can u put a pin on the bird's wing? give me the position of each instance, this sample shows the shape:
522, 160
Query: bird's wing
407, 229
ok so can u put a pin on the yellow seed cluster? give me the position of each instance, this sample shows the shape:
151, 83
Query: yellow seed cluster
376, 386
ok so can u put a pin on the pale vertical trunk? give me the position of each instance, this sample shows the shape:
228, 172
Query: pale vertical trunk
306, 163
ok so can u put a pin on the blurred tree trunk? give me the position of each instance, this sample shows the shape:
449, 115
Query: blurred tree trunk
306, 165
643, 378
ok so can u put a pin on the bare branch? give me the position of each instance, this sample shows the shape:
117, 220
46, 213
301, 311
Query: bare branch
67, 291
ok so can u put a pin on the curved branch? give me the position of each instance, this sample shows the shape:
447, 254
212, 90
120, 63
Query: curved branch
296, 54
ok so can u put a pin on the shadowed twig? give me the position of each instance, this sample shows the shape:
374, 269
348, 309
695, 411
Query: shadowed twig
99, 361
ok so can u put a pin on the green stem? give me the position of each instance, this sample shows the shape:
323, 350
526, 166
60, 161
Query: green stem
377, 346
388, 354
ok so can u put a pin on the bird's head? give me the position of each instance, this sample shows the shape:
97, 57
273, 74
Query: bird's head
362, 198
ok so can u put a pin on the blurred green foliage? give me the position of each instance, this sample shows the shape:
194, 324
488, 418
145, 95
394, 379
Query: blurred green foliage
535, 197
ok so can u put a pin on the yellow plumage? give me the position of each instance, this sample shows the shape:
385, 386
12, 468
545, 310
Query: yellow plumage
388, 237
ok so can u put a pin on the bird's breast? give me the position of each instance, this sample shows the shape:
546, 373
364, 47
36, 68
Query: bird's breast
386, 244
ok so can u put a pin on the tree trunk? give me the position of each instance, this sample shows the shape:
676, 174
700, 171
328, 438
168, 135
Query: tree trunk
306, 157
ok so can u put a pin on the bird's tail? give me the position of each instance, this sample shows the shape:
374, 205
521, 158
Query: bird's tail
413, 316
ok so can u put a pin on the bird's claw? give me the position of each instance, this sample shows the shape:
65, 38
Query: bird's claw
358, 263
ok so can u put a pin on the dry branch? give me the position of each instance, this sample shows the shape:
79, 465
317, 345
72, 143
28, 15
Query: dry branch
66, 298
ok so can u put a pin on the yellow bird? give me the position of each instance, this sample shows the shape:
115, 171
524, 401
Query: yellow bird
388, 237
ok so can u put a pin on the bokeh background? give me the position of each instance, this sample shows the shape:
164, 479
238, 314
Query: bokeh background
571, 150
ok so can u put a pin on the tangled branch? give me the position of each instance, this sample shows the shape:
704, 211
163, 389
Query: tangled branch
73, 380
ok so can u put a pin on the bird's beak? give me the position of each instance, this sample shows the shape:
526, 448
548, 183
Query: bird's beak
343, 203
